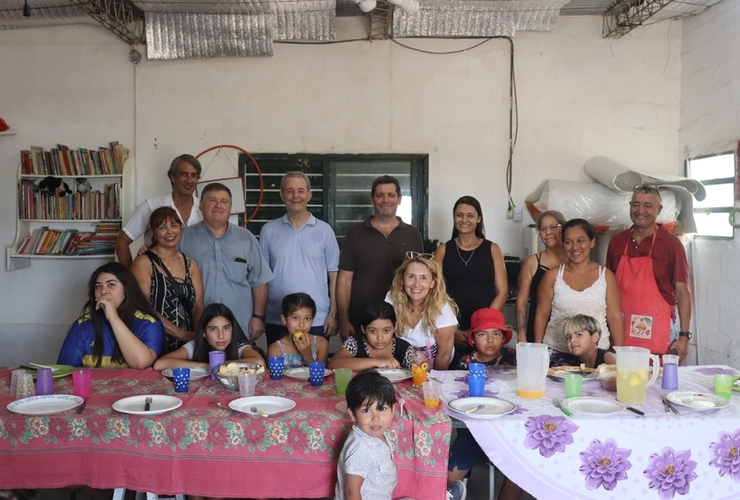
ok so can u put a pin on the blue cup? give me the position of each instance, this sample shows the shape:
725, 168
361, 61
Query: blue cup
476, 386
276, 364
478, 369
181, 378
316, 372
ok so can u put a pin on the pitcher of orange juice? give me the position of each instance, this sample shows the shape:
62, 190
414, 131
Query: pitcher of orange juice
532, 362
633, 369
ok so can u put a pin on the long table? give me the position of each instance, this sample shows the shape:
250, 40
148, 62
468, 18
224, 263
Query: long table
662, 456
202, 449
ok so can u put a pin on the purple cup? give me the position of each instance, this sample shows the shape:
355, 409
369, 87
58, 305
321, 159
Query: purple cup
44, 382
215, 359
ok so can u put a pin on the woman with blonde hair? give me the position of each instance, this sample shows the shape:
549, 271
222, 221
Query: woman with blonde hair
427, 316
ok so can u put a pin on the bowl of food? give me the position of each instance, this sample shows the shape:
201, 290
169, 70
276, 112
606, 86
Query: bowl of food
607, 376
229, 373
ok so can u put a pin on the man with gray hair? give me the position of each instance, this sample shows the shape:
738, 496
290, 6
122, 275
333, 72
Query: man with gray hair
184, 173
234, 271
303, 253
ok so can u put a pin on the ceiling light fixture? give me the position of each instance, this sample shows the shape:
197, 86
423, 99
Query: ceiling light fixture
408, 6
26, 9
366, 5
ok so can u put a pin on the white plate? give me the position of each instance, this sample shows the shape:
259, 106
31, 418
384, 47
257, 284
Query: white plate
268, 404
698, 400
394, 375
560, 371
45, 405
196, 373
494, 407
594, 406
341, 406
134, 405
302, 373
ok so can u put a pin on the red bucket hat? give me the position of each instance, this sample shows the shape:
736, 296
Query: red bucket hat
487, 319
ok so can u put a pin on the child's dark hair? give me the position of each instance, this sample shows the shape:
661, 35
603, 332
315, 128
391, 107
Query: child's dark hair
368, 387
377, 310
202, 347
295, 301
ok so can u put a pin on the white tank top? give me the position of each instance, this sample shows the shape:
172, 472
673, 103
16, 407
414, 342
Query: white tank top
567, 302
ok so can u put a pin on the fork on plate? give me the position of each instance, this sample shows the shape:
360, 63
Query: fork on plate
256, 410
147, 403
556, 402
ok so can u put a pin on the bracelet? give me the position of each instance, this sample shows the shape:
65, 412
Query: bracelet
260, 317
334, 315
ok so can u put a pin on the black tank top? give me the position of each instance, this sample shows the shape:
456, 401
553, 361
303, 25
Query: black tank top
534, 286
471, 286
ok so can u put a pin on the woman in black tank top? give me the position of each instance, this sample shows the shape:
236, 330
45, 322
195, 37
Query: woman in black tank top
550, 226
473, 268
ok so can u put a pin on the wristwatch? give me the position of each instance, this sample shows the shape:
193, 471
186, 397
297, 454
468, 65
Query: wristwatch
260, 317
334, 315
686, 334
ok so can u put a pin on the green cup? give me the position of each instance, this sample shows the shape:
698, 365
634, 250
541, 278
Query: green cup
573, 383
342, 376
723, 385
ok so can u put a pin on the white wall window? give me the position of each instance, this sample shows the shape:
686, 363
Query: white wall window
717, 173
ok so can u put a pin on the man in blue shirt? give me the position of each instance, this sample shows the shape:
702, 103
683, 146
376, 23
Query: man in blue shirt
303, 254
234, 271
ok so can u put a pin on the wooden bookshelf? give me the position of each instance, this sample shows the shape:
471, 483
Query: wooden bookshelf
79, 225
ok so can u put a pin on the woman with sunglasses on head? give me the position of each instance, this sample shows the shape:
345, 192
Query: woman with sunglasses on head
580, 286
550, 226
426, 315
473, 267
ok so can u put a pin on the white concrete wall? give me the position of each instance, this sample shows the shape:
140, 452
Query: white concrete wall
710, 123
579, 96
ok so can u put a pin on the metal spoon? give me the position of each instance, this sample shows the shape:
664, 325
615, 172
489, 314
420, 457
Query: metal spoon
474, 409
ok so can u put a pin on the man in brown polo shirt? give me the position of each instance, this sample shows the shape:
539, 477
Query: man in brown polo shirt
371, 252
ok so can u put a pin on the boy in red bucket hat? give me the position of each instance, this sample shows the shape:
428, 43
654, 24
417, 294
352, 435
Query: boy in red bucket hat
488, 335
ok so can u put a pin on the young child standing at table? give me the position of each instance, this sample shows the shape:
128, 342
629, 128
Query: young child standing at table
376, 345
487, 335
582, 333
217, 330
298, 347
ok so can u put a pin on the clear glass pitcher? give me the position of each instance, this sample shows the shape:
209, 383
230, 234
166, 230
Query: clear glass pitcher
633, 373
532, 362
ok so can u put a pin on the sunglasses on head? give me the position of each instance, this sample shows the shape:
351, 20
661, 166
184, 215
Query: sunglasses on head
421, 255
645, 188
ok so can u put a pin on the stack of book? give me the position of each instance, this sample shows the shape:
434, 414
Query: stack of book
64, 161
45, 241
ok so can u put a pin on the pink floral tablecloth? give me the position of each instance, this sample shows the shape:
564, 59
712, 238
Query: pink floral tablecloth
622, 456
202, 449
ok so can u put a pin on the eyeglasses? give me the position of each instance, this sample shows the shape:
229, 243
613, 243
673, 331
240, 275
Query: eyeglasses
421, 255
552, 229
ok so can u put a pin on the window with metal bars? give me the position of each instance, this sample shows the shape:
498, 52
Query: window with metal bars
340, 185
717, 173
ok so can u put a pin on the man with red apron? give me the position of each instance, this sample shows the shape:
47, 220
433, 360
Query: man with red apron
651, 269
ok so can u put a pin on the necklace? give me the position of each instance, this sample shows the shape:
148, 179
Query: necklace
461, 257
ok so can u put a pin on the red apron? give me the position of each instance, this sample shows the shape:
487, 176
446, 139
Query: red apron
647, 316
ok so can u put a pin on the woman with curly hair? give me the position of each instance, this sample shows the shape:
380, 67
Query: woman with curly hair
427, 316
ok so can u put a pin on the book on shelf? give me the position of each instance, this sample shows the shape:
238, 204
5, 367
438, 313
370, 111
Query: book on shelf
80, 162
45, 241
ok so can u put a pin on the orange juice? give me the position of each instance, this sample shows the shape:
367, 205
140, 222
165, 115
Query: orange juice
418, 374
530, 394
431, 402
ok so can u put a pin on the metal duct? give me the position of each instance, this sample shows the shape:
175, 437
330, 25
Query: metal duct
43, 13
480, 18
181, 36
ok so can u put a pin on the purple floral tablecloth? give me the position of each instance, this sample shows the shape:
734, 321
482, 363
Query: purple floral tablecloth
620, 456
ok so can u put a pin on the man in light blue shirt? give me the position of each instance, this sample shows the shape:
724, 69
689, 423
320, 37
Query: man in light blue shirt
234, 271
303, 254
